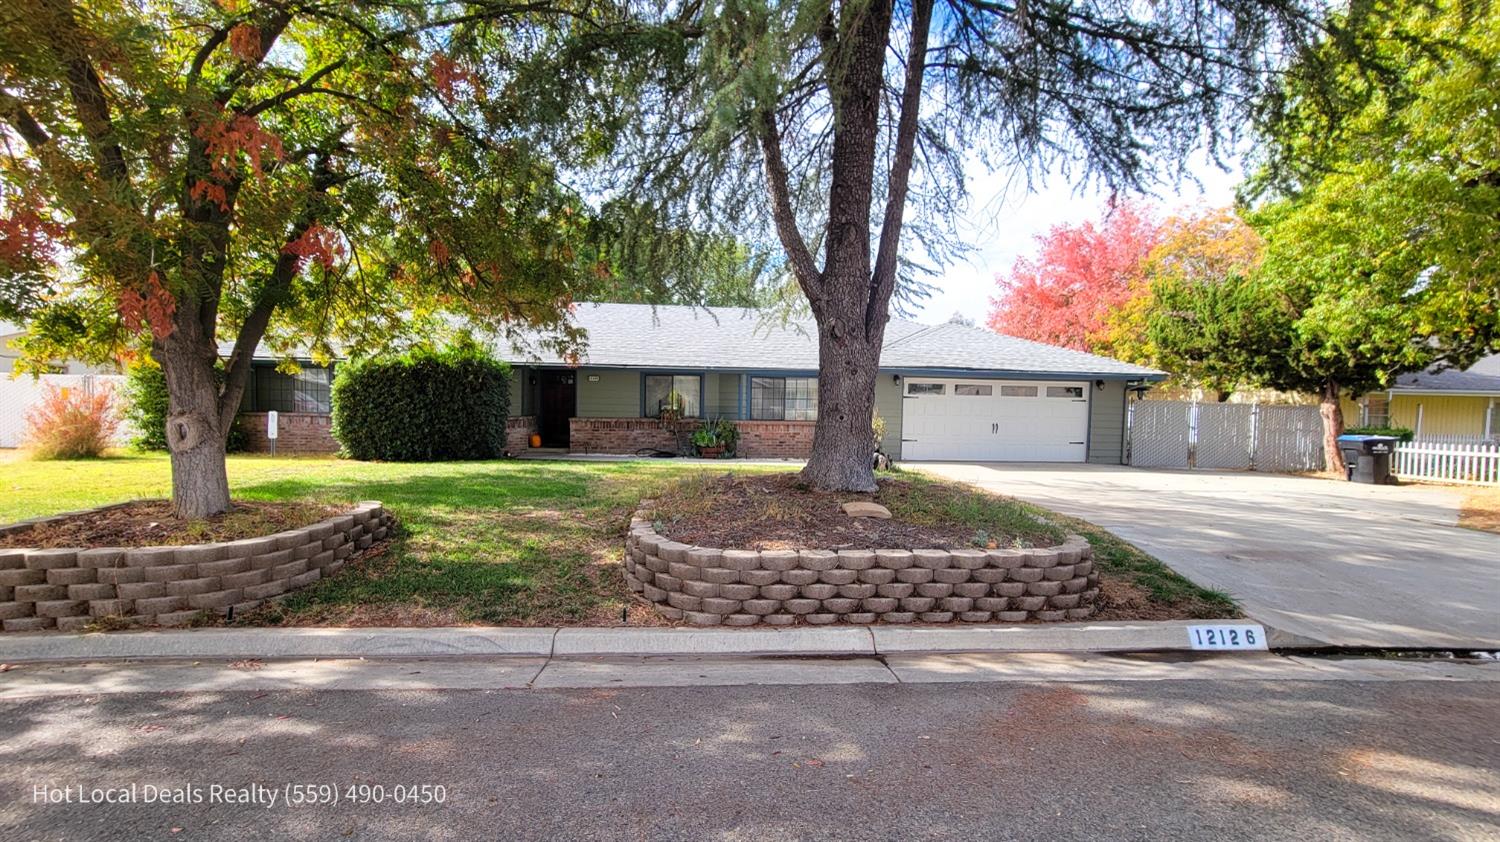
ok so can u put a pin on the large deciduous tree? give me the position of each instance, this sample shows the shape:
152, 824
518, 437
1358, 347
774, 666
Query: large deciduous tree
839, 125
1186, 314
1380, 190
1080, 275
254, 170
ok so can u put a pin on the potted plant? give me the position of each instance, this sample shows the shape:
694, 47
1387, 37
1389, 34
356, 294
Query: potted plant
671, 409
728, 434
706, 441
716, 439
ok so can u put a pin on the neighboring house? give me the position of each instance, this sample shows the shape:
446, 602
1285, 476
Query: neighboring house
1451, 405
20, 392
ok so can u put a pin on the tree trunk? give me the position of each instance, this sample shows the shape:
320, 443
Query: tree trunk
1333, 426
196, 431
843, 451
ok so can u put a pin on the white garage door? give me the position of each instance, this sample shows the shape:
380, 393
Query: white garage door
994, 420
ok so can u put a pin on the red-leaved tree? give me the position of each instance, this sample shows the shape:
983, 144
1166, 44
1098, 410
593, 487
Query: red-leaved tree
1080, 274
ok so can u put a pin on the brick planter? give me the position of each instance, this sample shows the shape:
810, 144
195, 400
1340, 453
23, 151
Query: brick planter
70, 589
708, 587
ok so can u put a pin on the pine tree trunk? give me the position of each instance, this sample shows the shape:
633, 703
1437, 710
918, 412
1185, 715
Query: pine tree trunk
843, 452
1333, 426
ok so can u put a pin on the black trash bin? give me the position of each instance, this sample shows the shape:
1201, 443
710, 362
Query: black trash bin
1368, 458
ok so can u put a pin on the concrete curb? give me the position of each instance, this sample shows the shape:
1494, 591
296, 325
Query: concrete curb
277, 643
844, 640
280, 643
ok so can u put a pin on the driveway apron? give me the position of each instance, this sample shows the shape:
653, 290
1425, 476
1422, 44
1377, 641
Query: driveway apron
1338, 563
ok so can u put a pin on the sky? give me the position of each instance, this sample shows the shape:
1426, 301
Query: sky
1003, 224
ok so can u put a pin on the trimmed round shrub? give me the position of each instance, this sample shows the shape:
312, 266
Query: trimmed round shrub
422, 406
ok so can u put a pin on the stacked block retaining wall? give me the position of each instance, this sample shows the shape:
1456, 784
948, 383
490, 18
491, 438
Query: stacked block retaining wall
73, 589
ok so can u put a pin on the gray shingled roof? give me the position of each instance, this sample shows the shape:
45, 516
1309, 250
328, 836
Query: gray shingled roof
642, 336
1451, 380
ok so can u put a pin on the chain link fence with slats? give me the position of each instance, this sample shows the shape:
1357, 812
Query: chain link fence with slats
1224, 436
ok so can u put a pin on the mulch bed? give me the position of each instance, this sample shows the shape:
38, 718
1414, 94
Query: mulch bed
146, 523
778, 511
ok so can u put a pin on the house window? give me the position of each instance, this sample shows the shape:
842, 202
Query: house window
926, 388
784, 398
1064, 391
972, 390
1377, 411
685, 390
1017, 391
305, 391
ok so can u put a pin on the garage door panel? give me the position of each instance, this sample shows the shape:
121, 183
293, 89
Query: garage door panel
1017, 424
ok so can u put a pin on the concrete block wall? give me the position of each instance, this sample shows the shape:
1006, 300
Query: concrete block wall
73, 589
705, 586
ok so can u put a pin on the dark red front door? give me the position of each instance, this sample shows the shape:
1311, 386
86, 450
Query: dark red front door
557, 403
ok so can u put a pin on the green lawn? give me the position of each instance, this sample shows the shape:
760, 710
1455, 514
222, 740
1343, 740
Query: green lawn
506, 542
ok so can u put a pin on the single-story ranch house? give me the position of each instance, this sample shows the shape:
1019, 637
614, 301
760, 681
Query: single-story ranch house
1449, 405
946, 392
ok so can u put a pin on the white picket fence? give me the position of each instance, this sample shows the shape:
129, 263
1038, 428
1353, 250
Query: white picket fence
1464, 464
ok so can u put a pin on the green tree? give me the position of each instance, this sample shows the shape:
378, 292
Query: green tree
836, 126
1191, 313
256, 170
1380, 189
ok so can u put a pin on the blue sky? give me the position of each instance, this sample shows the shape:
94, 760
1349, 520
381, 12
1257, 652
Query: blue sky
1003, 224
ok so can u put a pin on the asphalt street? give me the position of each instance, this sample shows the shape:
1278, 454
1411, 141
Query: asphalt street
1045, 760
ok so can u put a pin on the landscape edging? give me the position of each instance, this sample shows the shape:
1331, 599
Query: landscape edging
72, 589
708, 586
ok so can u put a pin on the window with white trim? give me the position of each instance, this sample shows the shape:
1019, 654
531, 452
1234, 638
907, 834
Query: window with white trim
1017, 391
926, 388
1064, 391
972, 390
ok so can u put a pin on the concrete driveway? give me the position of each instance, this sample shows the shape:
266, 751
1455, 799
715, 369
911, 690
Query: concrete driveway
1338, 563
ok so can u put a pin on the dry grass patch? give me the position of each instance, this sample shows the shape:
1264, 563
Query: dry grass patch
1481, 510
775, 511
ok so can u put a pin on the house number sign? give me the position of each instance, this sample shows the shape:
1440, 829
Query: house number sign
1221, 636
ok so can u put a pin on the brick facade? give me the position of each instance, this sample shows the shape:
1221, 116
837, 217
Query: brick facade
74, 589
704, 586
297, 432
758, 439
518, 430
776, 439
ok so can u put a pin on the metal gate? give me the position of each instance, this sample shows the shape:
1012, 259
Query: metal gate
1160, 433
1225, 436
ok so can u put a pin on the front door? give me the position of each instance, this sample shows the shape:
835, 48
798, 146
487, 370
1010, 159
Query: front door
557, 403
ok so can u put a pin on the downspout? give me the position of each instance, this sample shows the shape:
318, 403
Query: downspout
1489, 420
